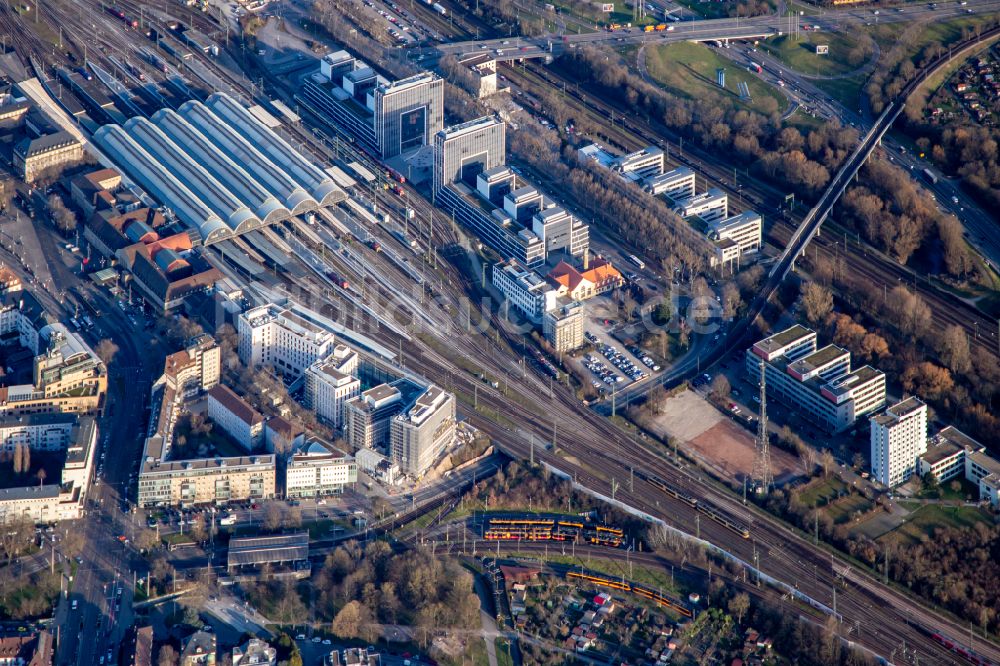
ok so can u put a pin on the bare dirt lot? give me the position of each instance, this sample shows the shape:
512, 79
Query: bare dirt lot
712, 437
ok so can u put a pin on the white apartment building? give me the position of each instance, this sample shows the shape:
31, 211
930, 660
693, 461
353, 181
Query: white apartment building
235, 415
819, 383
330, 382
61, 498
39, 432
709, 206
735, 236
898, 438
317, 470
562, 326
675, 184
197, 368
524, 289
423, 430
281, 337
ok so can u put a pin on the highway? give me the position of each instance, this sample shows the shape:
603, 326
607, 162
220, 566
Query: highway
715, 29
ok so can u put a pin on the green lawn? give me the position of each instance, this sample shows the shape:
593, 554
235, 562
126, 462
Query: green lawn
688, 69
944, 491
476, 652
822, 491
930, 517
800, 55
503, 652
841, 510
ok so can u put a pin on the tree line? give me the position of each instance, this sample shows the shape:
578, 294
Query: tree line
899, 218
782, 155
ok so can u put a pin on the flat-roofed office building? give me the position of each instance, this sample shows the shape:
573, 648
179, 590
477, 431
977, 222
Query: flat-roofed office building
408, 113
464, 151
819, 383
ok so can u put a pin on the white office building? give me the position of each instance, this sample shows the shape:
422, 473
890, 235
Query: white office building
330, 382
898, 438
640, 165
735, 236
675, 184
819, 383
316, 469
524, 289
709, 206
282, 338
559, 230
421, 432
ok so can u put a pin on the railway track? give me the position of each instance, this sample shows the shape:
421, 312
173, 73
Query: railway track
861, 261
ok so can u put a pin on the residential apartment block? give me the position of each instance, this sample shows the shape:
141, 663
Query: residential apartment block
898, 438
52, 499
366, 417
234, 415
195, 369
165, 481
562, 326
819, 383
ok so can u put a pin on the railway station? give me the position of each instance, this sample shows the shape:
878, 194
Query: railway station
218, 168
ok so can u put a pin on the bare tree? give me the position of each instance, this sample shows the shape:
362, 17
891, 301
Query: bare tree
954, 349
168, 656
817, 302
273, 517
721, 387
106, 350
739, 605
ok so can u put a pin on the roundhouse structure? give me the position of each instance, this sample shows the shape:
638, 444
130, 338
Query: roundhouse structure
148, 172
276, 149
235, 214
228, 172
239, 150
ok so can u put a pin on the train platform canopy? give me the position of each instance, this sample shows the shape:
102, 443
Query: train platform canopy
255, 551
219, 168
104, 276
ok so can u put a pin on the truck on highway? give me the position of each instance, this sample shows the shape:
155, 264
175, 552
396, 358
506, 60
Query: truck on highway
930, 176
439, 8
754, 67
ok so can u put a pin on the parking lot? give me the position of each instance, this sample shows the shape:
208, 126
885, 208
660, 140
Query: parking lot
615, 367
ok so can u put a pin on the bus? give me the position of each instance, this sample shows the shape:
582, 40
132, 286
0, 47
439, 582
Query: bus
637, 261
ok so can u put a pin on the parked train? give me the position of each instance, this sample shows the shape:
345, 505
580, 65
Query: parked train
119, 13
552, 529
641, 591
709, 510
